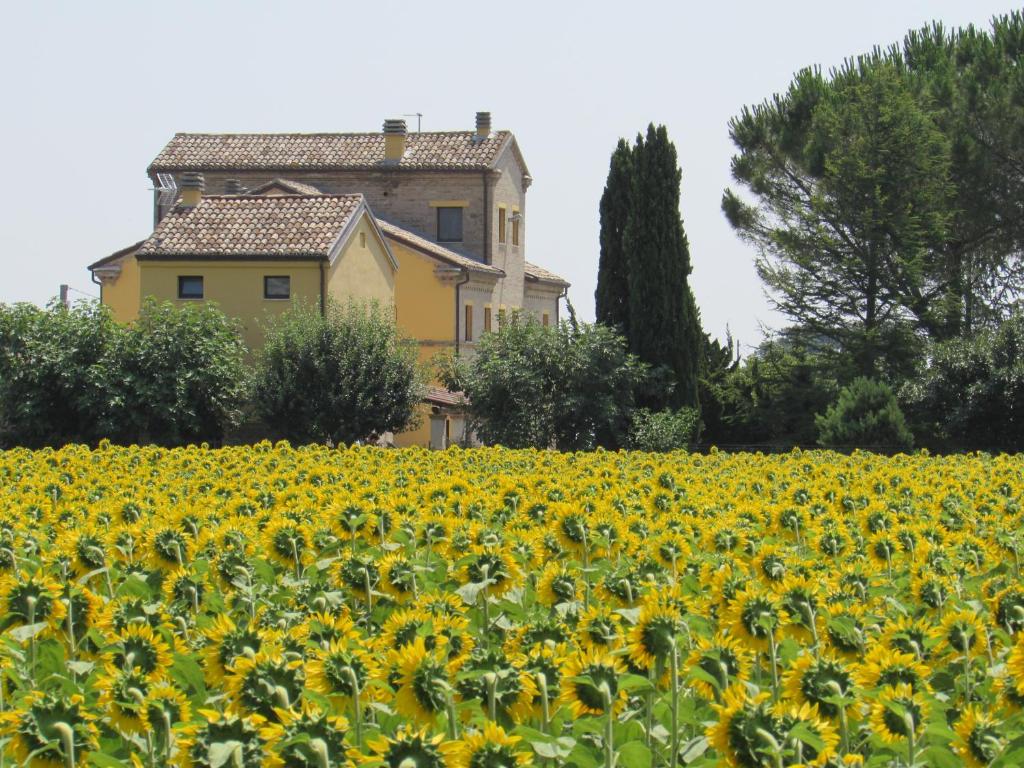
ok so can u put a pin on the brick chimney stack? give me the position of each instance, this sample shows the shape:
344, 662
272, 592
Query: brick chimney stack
394, 140
192, 186
483, 125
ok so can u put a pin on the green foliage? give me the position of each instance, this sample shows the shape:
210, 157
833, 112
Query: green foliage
571, 387
664, 326
343, 375
611, 299
176, 376
969, 393
663, 431
53, 373
866, 415
718, 362
771, 398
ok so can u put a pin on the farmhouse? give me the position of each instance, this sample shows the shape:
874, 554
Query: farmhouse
433, 223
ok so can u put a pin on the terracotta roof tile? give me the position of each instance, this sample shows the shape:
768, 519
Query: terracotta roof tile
539, 274
449, 150
247, 226
290, 187
431, 248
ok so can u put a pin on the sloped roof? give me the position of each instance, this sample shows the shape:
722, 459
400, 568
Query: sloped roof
535, 273
447, 150
430, 248
288, 185
254, 226
107, 260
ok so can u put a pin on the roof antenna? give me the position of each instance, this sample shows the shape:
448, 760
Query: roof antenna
419, 119
168, 190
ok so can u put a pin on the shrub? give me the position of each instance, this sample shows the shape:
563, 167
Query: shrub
177, 376
866, 415
571, 387
54, 371
342, 375
663, 431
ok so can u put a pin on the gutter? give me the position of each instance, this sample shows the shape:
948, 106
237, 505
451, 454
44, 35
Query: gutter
323, 288
458, 285
92, 277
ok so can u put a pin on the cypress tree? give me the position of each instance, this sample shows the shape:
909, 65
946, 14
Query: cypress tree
612, 295
664, 325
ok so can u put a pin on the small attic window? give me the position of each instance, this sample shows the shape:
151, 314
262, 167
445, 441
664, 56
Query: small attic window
362, 239
277, 287
190, 286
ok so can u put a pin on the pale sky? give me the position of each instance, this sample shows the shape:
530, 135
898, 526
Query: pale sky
93, 90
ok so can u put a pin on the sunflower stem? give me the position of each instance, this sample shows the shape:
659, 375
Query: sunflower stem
491, 681
453, 723
67, 740
356, 705
545, 713
772, 651
908, 722
674, 682
609, 726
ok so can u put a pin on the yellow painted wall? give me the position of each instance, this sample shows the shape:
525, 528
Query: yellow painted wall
362, 272
123, 295
426, 306
420, 436
236, 287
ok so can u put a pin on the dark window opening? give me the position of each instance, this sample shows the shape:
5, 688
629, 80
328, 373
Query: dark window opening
449, 225
190, 287
277, 287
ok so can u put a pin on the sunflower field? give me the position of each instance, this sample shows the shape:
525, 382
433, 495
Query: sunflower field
273, 606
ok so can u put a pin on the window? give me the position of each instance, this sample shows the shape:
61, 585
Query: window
501, 223
449, 225
545, 320
469, 322
277, 287
516, 218
190, 287
487, 319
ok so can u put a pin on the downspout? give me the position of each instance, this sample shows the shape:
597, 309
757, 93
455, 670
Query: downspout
558, 304
323, 289
92, 277
458, 308
487, 221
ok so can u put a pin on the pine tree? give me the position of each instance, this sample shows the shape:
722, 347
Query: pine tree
664, 325
612, 294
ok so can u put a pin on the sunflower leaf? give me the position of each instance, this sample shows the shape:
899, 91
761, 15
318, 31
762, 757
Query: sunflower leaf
220, 752
27, 631
694, 749
634, 754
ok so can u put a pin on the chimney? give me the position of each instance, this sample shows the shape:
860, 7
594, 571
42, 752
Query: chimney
192, 186
483, 125
394, 140
232, 187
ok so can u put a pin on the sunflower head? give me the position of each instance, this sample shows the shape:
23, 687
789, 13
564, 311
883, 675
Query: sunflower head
746, 728
819, 682
979, 740
264, 683
590, 683
45, 725
307, 738
490, 747
898, 713
406, 749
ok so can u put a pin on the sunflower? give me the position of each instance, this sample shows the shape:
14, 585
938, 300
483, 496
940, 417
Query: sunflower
599, 627
806, 718
168, 548
754, 617
423, 684
817, 681
308, 738
913, 636
339, 670
31, 598
963, 634
979, 740
225, 642
573, 530
653, 638
493, 567
722, 659
899, 713
1007, 607
801, 606
590, 683
44, 725
398, 577
83, 611
214, 729
184, 591
164, 707
286, 542
1015, 666
884, 667
139, 646
490, 674
558, 584
544, 662
746, 728
263, 683
322, 629
122, 698
487, 748
406, 749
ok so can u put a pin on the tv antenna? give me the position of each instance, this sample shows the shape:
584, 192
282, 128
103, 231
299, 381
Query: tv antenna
419, 119
168, 190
